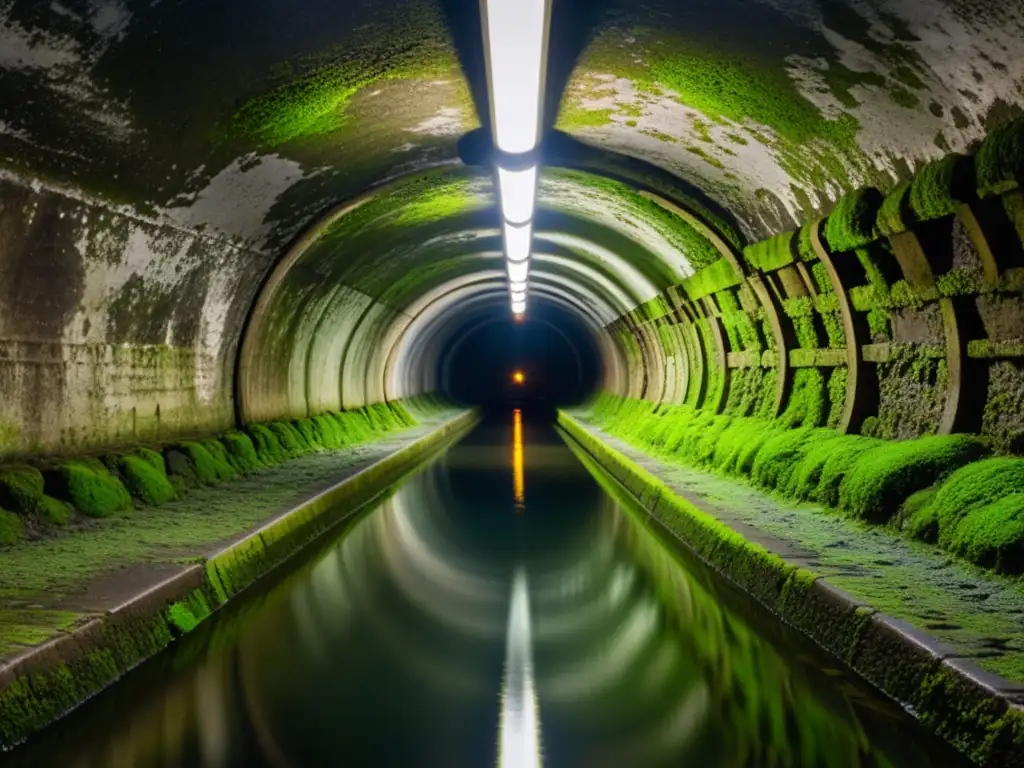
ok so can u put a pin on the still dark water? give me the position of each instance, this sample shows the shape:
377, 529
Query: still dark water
499, 608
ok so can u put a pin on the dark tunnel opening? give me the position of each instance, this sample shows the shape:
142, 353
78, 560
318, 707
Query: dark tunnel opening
546, 360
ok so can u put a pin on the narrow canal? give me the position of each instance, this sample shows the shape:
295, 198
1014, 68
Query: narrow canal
503, 606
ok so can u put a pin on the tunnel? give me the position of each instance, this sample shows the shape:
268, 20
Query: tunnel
732, 383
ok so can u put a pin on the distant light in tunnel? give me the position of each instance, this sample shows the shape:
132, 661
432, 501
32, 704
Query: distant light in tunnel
515, 39
516, 285
517, 242
518, 307
519, 296
517, 190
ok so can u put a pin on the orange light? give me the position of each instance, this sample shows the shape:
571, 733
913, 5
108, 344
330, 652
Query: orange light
518, 377
518, 476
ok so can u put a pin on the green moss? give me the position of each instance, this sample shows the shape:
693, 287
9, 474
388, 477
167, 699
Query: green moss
268, 447
992, 536
894, 212
838, 381
883, 478
89, 487
21, 489
310, 434
801, 312
154, 458
144, 481
55, 511
840, 456
999, 163
807, 403
574, 116
938, 186
315, 99
804, 244
776, 459
712, 279
209, 468
288, 438
852, 223
805, 476
241, 452
771, 254
12, 529
960, 282
972, 487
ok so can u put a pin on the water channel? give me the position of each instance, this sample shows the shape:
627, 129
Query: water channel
503, 606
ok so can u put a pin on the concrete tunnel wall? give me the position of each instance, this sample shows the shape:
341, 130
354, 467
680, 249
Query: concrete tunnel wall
143, 205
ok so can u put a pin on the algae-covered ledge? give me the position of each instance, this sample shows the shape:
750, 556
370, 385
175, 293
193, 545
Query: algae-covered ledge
978, 713
43, 682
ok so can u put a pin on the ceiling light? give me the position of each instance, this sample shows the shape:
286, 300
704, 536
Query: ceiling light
517, 285
515, 39
518, 295
517, 194
517, 241
518, 307
517, 271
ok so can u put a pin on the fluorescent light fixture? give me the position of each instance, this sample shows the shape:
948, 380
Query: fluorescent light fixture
517, 271
518, 295
515, 39
518, 307
517, 194
517, 285
517, 241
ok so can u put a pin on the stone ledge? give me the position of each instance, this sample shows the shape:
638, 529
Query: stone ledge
978, 713
43, 683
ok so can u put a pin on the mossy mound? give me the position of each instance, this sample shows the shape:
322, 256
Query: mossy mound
206, 468
992, 535
403, 416
778, 457
894, 213
940, 185
12, 529
852, 223
154, 458
21, 489
55, 511
773, 253
241, 452
999, 164
144, 480
289, 439
936, 517
268, 447
310, 434
89, 487
839, 457
884, 477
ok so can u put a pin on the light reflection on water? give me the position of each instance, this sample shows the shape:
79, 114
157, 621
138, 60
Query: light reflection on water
446, 629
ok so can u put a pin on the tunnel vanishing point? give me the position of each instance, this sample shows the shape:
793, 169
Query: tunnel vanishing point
777, 241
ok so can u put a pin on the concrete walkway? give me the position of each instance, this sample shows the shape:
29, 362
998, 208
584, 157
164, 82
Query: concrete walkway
53, 585
962, 611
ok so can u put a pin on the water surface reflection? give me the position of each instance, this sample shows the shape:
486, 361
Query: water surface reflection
459, 624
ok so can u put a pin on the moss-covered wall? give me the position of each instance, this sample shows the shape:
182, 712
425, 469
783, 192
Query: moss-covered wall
897, 316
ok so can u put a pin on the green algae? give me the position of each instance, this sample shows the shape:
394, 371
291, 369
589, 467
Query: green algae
1000, 159
882, 478
89, 487
144, 481
771, 254
852, 223
12, 529
939, 186
315, 94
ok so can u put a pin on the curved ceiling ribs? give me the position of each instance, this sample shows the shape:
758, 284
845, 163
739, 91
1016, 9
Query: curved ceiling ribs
144, 204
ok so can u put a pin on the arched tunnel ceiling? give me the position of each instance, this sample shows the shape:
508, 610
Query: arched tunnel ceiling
248, 120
